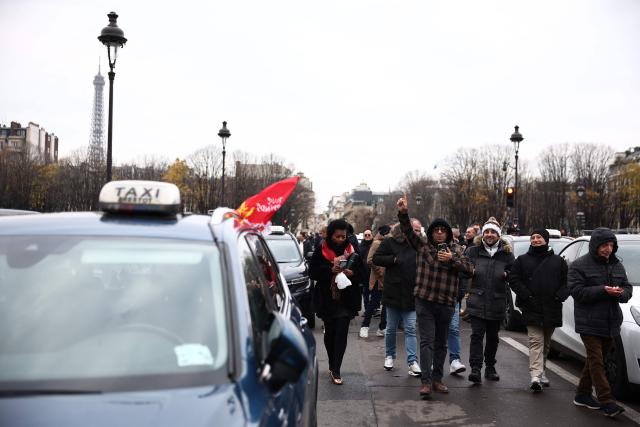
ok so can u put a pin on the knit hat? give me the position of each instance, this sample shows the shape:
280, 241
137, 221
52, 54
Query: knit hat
543, 232
384, 229
492, 224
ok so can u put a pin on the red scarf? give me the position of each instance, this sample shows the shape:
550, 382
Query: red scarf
330, 255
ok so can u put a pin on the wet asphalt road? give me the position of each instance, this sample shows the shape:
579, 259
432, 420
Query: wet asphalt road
372, 396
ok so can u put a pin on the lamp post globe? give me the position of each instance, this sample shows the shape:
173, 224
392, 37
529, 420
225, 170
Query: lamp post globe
418, 200
580, 191
113, 38
224, 134
516, 138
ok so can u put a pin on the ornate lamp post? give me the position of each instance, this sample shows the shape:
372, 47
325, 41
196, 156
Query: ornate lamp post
223, 134
516, 138
113, 38
580, 218
418, 200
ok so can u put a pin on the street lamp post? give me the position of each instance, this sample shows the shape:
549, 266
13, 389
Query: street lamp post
223, 134
112, 37
516, 138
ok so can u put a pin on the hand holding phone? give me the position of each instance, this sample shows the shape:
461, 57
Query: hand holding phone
442, 247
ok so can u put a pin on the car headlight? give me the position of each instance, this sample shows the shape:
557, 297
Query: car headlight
635, 312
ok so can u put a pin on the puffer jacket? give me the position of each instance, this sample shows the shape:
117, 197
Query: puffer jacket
596, 312
488, 284
539, 280
398, 258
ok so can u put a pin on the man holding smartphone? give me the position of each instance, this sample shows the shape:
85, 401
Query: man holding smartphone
598, 284
439, 261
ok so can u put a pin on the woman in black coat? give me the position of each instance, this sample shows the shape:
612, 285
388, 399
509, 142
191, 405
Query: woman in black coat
336, 307
539, 280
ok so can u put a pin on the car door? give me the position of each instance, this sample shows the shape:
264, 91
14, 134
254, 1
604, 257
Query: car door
286, 405
566, 335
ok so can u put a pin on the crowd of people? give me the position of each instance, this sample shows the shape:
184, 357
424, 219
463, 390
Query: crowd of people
421, 278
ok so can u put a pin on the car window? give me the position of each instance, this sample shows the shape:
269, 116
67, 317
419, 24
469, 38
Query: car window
558, 244
269, 270
520, 247
284, 250
92, 309
571, 251
584, 249
629, 254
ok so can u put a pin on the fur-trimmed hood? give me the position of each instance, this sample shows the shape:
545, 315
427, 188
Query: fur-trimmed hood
504, 243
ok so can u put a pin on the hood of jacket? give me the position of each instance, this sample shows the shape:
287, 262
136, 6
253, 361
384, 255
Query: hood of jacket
598, 237
397, 234
439, 222
504, 243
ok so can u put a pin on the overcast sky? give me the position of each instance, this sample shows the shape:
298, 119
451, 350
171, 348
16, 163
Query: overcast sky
348, 91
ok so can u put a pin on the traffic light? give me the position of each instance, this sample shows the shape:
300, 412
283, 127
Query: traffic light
511, 192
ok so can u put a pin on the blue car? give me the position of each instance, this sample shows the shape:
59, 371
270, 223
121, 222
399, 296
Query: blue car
141, 316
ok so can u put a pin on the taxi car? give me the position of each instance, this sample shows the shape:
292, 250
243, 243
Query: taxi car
138, 315
286, 250
622, 364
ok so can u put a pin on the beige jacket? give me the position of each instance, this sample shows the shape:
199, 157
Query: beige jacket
377, 273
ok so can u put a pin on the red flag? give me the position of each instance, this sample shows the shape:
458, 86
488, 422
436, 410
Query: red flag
259, 208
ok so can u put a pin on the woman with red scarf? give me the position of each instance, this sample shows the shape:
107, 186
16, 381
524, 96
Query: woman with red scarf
336, 305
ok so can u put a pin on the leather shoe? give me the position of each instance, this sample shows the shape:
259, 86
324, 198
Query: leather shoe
491, 374
425, 391
439, 387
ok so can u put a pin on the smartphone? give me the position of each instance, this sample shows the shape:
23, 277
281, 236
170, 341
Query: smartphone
343, 263
442, 247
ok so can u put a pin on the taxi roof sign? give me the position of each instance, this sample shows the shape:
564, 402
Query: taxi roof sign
140, 196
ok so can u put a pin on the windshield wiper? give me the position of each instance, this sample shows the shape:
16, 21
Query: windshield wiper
45, 392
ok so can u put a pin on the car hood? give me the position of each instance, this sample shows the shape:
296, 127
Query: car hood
218, 406
293, 270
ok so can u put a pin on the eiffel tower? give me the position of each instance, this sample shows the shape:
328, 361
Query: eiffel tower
96, 144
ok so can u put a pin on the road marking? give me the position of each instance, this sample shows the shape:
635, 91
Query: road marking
630, 413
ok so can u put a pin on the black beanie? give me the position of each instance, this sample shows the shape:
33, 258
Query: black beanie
543, 232
384, 230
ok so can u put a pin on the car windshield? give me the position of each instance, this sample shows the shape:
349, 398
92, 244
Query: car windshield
629, 254
110, 313
285, 250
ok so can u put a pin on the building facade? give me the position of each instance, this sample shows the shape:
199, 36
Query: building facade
32, 139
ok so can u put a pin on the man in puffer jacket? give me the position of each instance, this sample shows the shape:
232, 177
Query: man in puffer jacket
539, 279
598, 284
492, 258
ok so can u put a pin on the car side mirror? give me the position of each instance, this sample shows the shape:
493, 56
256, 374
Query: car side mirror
288, 355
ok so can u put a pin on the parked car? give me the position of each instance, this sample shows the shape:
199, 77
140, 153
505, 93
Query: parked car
622, 364
520, 244
293, 265
138, 315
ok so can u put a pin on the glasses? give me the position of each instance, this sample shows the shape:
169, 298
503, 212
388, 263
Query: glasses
440, 229
367, 235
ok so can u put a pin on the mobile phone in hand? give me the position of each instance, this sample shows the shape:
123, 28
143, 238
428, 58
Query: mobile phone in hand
343, 263
442, 247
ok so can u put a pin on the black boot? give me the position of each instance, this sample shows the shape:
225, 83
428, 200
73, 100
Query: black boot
475, 376
491, 374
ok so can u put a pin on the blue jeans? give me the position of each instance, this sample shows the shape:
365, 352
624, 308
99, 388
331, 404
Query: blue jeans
393, 318
454, 335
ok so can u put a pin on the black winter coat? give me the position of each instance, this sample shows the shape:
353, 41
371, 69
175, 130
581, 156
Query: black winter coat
596, 312
539, 280
350, 300
488, 289
399, 259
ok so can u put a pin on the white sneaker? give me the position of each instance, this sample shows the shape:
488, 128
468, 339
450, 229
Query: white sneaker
414, 369
380, 332
535, 384
456, 367
364, 332
544, 380
388, 363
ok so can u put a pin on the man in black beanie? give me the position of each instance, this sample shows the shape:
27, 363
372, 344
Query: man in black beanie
539, 280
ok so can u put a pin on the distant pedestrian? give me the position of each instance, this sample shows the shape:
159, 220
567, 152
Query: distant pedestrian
539, 280
376, 284
334, 304
492, 258
365, 245
598, 284
398, 258
469, 235
439, 261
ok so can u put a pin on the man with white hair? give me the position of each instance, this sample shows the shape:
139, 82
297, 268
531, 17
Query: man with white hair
492, 258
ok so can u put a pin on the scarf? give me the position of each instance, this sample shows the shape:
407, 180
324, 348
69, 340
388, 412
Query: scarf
329, 254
